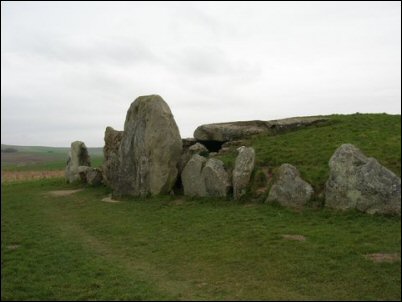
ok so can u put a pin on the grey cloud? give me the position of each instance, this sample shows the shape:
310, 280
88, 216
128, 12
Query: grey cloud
121, 51
194, 14
209, 62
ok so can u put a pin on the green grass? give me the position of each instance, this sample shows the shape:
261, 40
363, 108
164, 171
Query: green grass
80, 248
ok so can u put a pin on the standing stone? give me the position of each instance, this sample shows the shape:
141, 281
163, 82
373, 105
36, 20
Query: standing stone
290, 190
244, 166
216, 179
358, 182
77, 156
150, 149
193, 183
110, 167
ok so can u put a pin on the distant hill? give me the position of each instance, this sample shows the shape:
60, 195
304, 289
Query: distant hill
44, 149
41, 157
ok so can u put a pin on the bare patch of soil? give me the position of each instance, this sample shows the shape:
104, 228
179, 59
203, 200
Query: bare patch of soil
383, 257
109, 199
13, 246
251, 205
177, 202
294, 237
63, 192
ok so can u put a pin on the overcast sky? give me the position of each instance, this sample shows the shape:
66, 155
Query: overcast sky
68, 70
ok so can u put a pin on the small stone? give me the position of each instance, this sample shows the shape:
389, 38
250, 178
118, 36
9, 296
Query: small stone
290, 190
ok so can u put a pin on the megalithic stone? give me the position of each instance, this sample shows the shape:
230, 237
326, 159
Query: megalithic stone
78, 156
150, 149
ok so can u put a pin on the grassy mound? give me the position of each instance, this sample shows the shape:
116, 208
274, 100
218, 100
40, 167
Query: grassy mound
309, 149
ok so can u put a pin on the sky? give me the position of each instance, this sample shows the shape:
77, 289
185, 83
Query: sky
70, 69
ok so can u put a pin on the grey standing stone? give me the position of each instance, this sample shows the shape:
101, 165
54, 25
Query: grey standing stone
150, 149
358, 182
193, 183
243, 169
290, 190
216, 178
110, 167
78, 156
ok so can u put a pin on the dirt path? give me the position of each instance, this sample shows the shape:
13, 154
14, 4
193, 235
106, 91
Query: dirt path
384, 257
63, 192
10, 176
140, 267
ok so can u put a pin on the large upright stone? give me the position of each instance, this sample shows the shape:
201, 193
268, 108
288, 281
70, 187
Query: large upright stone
243, 169
110, 167
290, 190
193, 183
150, 149
216, 179
358, 182
77, 156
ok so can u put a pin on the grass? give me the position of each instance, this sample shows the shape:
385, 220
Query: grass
79, 248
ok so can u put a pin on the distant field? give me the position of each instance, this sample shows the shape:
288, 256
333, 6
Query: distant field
29, 158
